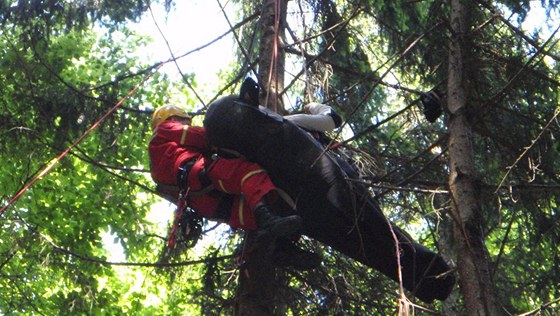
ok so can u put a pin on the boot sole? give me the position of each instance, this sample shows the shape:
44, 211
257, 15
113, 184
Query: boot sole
289, 226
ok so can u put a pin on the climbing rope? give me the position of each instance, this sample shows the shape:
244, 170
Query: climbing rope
53, 162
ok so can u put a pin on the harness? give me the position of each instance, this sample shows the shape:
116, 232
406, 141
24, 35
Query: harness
183, 177
186, 219
171, 191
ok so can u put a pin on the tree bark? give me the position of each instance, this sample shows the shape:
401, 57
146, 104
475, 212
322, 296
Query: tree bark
472, 256
272, 55
258, 292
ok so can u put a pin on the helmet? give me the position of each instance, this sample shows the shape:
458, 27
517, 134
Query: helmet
165, 112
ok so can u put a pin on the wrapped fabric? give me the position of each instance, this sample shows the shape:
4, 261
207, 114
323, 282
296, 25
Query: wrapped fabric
339, 213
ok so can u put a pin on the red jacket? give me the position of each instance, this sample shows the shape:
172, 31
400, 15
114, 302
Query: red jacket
174, 143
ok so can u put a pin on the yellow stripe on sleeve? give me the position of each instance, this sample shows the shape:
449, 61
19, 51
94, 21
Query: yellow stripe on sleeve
250, 174
184, 136
221, 184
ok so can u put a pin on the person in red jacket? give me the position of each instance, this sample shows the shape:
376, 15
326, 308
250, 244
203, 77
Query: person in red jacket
234, 190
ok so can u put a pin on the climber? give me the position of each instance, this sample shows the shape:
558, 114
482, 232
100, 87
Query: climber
226, 190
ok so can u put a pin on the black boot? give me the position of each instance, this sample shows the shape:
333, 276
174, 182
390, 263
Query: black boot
287, 254
274, 225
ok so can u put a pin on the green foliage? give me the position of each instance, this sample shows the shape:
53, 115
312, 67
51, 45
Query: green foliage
51, 242
59, 75
45, 17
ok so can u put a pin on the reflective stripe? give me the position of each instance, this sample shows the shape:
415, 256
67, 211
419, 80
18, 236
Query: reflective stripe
240, 210
184, 136
250, 174
221, 183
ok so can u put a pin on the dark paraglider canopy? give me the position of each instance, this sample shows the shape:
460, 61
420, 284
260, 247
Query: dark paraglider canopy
339, 213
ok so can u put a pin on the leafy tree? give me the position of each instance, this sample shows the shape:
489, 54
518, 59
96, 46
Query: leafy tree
66, 64
54, 88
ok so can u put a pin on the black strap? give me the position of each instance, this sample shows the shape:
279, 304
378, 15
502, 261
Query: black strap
168, 192
204, 179
336, 118
183, 174
183, 179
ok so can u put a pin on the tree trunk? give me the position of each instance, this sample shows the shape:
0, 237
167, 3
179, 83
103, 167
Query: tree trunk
472, 257
258, 289
272, 55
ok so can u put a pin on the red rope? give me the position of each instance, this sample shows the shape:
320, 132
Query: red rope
275, 51
51, 165
181, 207
273, 70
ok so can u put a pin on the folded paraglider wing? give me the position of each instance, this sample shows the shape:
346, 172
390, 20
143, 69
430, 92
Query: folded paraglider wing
339, 213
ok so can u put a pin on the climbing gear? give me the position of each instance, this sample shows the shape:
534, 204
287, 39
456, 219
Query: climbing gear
170, 192
183, 177
187, 225
165, 112
190, 225
271, 224
183, 174
432, 105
